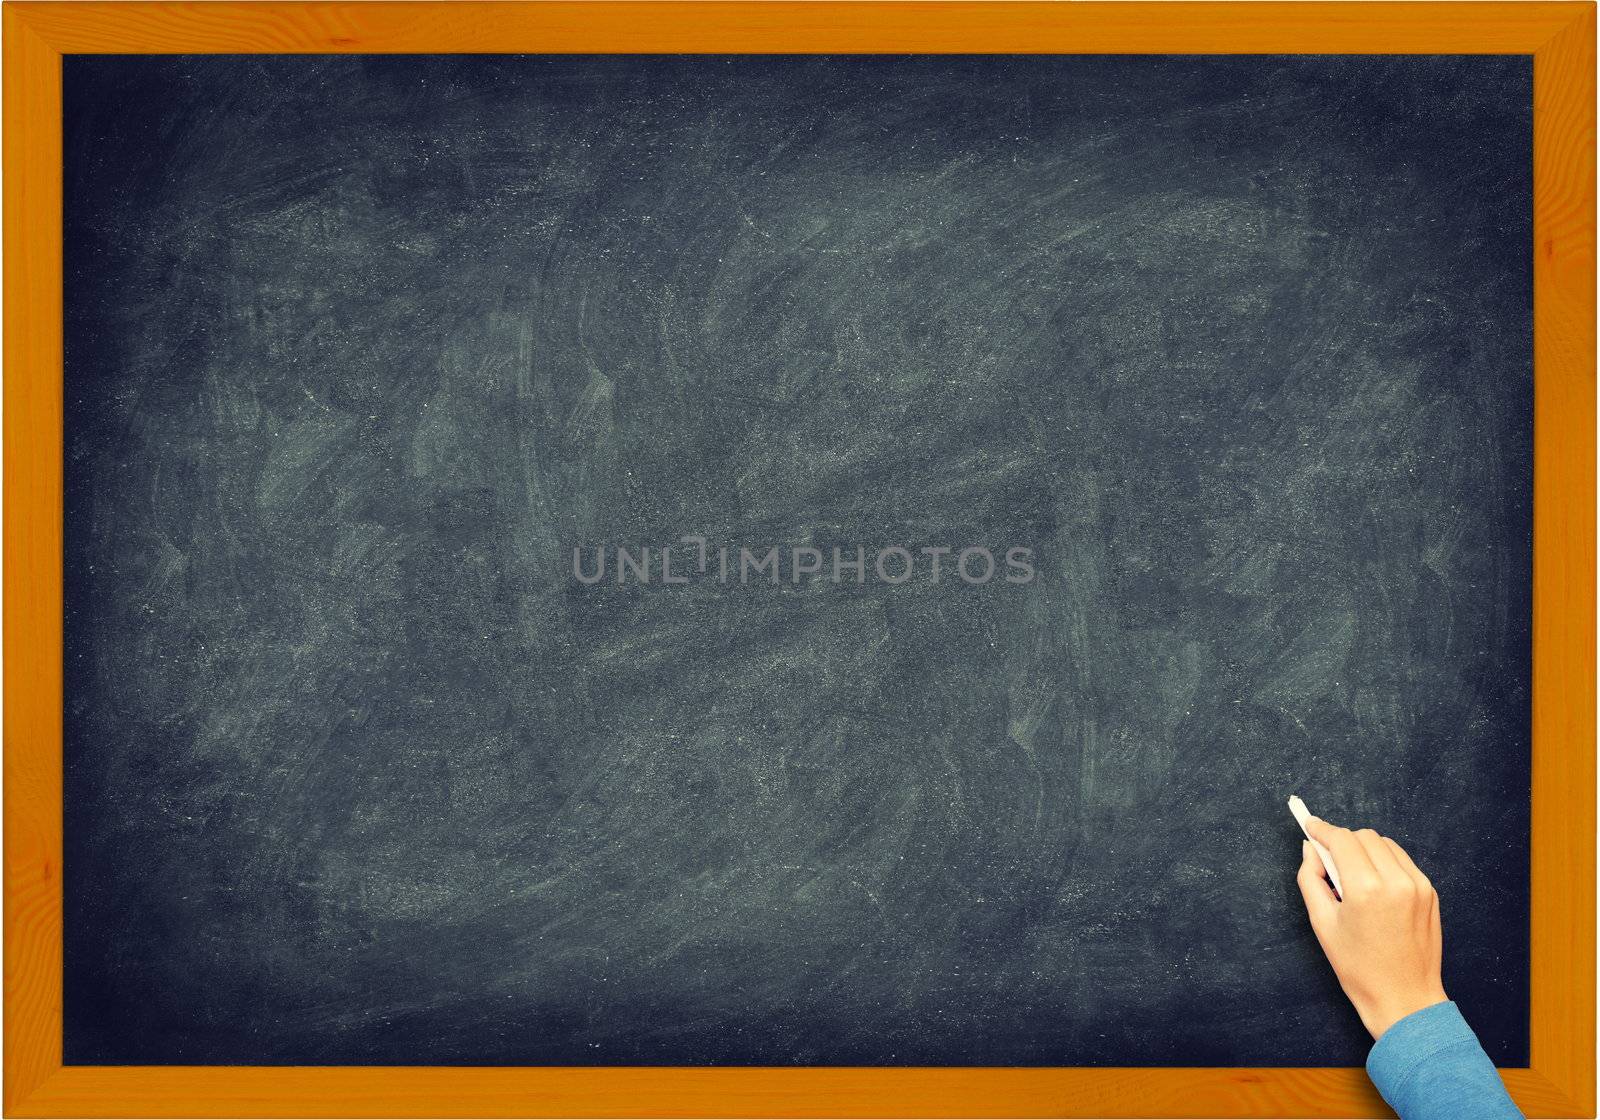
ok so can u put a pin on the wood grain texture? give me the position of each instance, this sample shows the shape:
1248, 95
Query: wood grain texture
1561, 1082
565, 1091
33, 528
963, 28
1563, 933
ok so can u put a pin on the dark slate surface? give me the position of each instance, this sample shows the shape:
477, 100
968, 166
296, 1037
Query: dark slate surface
360, 349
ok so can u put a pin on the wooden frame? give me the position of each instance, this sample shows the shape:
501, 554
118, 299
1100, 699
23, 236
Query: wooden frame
1561, 38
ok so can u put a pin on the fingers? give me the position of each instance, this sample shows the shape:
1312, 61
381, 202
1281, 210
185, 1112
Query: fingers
1321, 903
1310, 860
1408, 865
1378, 851
1369, 862
1356, 871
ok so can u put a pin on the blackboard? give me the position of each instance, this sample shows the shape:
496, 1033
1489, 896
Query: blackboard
1223, 363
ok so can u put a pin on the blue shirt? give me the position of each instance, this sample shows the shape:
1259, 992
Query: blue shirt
1429, 1066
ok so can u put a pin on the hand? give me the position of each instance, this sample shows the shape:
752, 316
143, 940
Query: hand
1383, 939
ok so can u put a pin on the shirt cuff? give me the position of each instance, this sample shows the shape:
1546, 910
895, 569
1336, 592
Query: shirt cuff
1414, 1041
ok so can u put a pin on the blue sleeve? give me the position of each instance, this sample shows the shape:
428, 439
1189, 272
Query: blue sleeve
1429, 1066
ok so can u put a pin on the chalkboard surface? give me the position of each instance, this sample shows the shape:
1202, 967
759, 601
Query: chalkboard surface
404, 725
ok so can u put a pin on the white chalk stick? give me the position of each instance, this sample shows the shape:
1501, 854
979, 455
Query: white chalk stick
1301, 813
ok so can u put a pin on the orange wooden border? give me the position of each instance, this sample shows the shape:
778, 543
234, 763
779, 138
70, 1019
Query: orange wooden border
1560, 36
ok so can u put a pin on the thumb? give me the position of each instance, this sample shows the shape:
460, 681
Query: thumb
1321, 903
